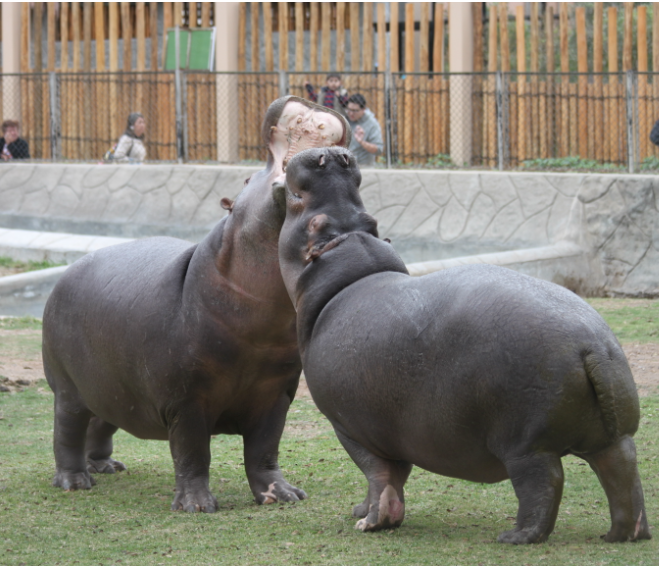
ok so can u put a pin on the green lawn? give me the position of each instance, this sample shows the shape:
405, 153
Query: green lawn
125, 519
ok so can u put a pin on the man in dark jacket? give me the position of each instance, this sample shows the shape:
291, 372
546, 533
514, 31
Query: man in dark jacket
654, 134
11, 145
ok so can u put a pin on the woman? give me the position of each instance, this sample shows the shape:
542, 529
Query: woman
12, 146
130, 148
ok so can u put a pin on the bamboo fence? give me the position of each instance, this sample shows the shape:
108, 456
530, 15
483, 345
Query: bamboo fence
577, 111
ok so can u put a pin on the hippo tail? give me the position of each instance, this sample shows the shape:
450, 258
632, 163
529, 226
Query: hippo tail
609, 373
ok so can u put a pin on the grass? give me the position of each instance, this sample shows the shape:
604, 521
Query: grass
632, 320
125, 519
572, 163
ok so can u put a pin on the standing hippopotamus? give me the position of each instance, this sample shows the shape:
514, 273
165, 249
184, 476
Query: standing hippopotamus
174, 341
476, 372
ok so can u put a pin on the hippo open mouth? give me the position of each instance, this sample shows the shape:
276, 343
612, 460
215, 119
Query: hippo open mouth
297, 124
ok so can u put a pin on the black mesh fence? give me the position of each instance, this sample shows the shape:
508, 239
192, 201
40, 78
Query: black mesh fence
435, 120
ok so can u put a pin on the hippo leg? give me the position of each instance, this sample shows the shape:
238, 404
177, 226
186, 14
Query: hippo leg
618, 473
98, 448
189, 443
71, 420
538, 482
384, 506
261, 449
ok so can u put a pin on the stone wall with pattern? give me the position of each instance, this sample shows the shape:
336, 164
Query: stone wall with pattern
428, 215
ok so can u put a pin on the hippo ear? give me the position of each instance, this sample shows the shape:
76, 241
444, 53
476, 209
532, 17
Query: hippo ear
279, 196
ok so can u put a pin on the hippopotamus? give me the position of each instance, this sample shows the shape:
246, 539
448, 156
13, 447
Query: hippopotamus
174, 341
475, 372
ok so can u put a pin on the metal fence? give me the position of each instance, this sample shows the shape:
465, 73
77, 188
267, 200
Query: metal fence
486, 120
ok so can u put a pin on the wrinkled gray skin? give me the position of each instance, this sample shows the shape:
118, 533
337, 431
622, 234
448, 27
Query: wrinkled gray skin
174, 341
476, 372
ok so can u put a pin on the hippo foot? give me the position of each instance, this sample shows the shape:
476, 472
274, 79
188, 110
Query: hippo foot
194, 501
280, 490
104, 466
639, 531
360, 511
387, 513
71, 481
521, 536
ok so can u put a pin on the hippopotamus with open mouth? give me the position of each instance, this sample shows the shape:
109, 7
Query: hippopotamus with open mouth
174, 341
476, 372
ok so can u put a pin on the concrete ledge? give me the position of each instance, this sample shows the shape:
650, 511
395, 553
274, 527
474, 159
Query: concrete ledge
27, 245
26, 293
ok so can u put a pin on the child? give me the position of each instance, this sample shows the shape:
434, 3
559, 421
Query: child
332, 95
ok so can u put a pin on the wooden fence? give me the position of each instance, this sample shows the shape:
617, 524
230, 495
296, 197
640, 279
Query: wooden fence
548, 114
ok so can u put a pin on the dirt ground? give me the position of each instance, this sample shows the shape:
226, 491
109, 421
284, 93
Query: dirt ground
16, 372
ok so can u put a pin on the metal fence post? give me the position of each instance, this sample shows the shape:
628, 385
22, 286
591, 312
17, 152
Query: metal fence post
283, 83
387, 115
54, 117
629, 100
499, 88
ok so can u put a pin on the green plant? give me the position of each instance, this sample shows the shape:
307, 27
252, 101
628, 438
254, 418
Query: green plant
441, 161
20, 323
573, 162
650, 163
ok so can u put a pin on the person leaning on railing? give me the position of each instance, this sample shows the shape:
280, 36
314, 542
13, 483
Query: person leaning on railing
366, 133
130, 147
11, 145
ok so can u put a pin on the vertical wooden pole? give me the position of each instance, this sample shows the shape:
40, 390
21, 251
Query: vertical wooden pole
598, 60
114, 67
505, 44
393, 37
205, 14
101, 118
178, 14
64, 86
382, 66
408, 125
88, 122
438, 67
548, 135
614, 87
50, 66
422, 82
140, 32
153, 33
522, 121
192, 15
382, 38
627, 44
267, 37
313, 39
87, 37
354, 36
565, 80
341, 35
367, 37
99, 33
582, 68
533, 107
490, 117
38, 34
25, 37
644, 118
325, 45
256, 34
283, 36
299, 37
127, 35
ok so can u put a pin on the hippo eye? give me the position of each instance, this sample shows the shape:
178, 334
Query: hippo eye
247, 181
297, 195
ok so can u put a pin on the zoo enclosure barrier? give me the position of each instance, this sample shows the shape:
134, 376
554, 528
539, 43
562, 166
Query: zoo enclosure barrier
490, 120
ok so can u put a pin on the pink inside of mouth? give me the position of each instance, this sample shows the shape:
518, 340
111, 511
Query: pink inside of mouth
299, 128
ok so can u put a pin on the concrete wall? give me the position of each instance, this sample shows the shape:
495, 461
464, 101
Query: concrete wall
593, 233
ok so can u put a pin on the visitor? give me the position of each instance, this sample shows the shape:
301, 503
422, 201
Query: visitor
130, 147
13, 146
332, 94
366, 141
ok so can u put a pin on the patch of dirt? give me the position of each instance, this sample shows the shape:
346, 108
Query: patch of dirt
644, 361
11, 270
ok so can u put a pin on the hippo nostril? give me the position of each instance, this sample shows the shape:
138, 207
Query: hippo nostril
321, 161
346, 158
